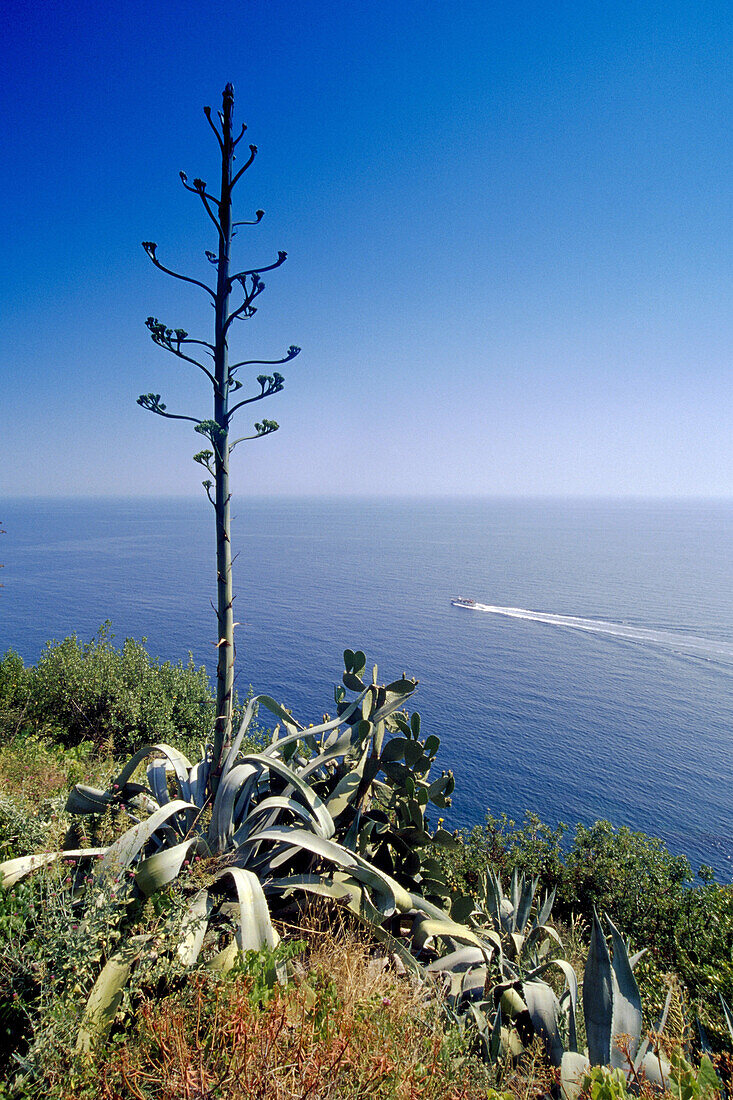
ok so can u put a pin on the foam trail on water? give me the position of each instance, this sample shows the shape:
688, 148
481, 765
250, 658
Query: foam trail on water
707, 648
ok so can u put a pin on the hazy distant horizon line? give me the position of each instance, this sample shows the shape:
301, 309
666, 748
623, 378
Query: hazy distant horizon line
683, 498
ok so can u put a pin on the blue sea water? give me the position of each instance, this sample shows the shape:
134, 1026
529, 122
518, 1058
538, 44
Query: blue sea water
596, 682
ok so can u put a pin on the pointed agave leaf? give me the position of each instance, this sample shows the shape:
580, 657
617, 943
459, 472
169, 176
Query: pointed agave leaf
573, 1069
514, 890
87, 800
266, 813
570, 995
249, 713
158, 780
642, 1051
544, 1010
493, 894
656, 1069
426, 928
458, 961
121, 854
181, 767
728, 1015
105, 998
598, 997
345, 790
255, 927
164, 866
194, 927
546, 908
626, 1016
529, 887
198, 778
13, 870
495, 1041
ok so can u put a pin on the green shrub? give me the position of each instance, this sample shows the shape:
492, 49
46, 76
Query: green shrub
92, 691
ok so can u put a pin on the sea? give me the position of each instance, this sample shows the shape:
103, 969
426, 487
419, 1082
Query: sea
592, 679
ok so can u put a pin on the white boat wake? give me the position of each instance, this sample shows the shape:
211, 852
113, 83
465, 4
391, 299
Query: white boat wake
688, 644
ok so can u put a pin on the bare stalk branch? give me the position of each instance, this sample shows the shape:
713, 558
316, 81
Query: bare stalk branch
281, 258
243, 169
152, 402
150, 247
292, 352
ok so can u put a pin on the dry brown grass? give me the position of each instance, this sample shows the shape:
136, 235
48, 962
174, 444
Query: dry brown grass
347, 1027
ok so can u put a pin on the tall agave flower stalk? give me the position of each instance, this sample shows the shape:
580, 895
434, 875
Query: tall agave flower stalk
247, 285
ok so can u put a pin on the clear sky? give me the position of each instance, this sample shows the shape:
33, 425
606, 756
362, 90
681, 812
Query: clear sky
508, 228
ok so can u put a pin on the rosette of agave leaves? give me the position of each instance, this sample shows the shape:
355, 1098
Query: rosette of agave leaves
335, 809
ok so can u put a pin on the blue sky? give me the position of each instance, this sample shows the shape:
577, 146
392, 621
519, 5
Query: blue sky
508, 228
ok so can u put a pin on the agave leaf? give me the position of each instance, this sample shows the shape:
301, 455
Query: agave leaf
573, 1069
194, 927
266, 813
158, 779
341, 746
249, 713
571, 983
524, 907
493, 894
424, 906
181, 767
459, 961
598, 997
300, 731
635, 958
345, 790
546, 908
728, 1015
13, 870
164, 866
656, 1069
541, 931
105, 997
87, 800
425, 928
395, 895
232, 797
642, 1051
121, 854
626, 1016
300, 790
544, 1010
198, 779
517, 941
514, 892
255, 926
495, 1041
471, 986
225, 959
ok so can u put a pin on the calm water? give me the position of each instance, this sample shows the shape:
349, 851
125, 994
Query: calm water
596, 682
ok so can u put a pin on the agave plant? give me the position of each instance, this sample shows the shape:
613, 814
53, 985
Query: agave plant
335, 809
506, 1016
517, 933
